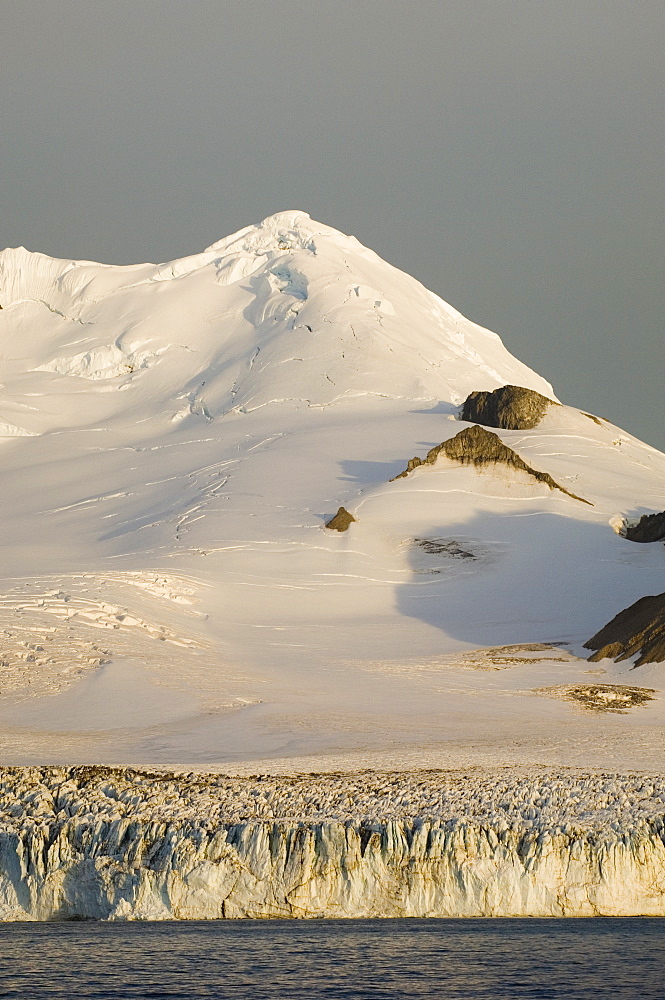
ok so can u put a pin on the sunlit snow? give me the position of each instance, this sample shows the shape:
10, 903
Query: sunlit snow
174, 438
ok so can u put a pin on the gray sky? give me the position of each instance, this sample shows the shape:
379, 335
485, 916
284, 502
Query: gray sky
508, 153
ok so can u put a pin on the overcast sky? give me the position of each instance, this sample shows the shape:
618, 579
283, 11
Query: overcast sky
508, 153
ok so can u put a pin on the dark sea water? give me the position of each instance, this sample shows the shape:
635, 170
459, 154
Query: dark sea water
621, 959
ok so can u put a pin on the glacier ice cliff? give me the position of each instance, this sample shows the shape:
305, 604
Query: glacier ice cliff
114, 844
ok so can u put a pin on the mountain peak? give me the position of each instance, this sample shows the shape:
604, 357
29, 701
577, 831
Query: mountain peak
286, 311
291, 230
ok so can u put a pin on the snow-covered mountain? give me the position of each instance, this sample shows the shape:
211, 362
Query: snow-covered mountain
174, 439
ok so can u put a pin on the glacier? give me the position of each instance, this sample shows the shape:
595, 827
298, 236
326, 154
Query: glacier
99, 843
175, 439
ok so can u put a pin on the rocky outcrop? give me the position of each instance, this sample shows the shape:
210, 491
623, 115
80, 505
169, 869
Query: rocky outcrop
480, 447
649, 528
341, 520
118, 845
637, 629
511, 407
590, 416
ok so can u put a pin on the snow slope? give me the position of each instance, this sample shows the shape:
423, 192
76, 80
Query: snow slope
174, 438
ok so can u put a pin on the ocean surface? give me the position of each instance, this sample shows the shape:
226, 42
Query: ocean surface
618, 958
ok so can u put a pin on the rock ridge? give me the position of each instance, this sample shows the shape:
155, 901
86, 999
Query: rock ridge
477, 446
639, 628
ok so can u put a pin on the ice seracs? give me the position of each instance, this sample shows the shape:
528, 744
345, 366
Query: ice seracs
92, 843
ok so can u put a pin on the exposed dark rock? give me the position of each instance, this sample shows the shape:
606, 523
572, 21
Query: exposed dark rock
341, 520
443, 547
596, 420
637, 629
649, 528
511, 407
480, 447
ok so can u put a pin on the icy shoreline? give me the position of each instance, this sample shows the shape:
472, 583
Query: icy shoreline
122, 844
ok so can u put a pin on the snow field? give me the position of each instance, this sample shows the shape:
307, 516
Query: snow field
174, 438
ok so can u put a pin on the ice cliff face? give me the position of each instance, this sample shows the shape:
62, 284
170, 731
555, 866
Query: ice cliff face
84, 843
